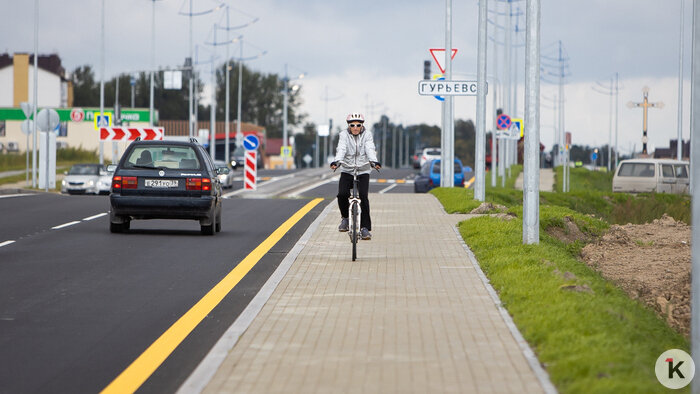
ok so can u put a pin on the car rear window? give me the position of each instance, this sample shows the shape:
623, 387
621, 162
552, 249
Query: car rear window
433, 152
84, 169
640, 170
436, 168
163, 156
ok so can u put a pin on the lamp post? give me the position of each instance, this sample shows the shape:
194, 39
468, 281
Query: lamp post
153, 60
284, 111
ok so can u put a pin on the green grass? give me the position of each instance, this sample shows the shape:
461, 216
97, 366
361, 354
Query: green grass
65, 158
602, 342
584, 180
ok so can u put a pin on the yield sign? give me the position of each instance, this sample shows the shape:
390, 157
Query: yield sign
130, 133
441, 51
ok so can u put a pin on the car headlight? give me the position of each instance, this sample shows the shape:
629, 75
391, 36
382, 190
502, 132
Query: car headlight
63, 182
90, 183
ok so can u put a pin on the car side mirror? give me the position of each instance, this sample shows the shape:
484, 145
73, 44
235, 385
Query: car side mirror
111, 168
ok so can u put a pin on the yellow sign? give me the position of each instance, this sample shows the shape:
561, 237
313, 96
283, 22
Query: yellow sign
106, 123
518, 122
286, 151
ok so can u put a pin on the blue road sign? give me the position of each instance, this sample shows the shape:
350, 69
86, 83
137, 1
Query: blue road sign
503, 122
251, 142
594, 156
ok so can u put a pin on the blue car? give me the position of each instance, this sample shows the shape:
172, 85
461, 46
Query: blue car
429, 176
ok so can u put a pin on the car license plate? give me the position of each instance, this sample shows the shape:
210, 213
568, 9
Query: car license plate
160, 182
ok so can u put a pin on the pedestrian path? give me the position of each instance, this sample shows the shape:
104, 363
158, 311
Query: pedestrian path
546, 180
414, 313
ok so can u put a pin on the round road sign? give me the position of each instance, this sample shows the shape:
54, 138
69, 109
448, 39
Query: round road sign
503, 122
251, 142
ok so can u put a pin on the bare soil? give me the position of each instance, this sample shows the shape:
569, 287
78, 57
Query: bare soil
651, 263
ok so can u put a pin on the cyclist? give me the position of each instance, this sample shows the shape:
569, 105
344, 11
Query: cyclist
355, 149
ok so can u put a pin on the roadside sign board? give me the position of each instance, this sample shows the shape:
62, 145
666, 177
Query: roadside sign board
77, 115
286, 151
251, 142
47, 119
503, 122
441, 52
27, 108
103, 121
447, 88
516, 128
250, 170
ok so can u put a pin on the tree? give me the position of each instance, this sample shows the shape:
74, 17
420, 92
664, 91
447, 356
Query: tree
86, 92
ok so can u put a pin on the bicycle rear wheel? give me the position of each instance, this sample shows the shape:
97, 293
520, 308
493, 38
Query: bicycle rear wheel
354, 231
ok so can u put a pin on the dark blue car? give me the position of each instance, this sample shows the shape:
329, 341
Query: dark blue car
429, 176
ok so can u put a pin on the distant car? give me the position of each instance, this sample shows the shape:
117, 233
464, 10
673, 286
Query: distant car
104, 184
82, 179
429, 176
416, 158
238, 158
429, 154
166, 180
652, 175
225, 179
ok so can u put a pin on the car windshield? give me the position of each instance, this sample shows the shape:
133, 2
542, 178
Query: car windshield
84, 169
433, 152
163, 156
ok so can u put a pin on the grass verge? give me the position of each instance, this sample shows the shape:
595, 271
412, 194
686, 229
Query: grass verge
587, 333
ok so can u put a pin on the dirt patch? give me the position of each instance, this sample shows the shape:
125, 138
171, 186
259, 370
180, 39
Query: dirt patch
569, 233
487, 207
650, 262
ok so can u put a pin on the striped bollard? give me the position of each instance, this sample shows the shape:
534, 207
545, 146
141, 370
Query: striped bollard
250, 170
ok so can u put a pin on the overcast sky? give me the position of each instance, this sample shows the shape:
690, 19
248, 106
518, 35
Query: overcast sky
368, 54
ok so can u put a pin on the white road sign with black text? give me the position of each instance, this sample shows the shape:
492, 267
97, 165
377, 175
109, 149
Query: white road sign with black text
447, 88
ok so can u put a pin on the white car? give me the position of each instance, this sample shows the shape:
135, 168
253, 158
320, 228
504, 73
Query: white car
429, 154
225, 179
83, 179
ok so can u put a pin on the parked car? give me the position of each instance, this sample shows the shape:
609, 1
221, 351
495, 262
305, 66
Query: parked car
166, 180
238, 158
227, 178
652, 175
429, 176
429, 154
82, 179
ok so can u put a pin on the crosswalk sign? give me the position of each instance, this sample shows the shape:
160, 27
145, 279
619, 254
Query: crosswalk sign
516, 126
103, 121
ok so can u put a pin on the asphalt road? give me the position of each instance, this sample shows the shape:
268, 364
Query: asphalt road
78, 304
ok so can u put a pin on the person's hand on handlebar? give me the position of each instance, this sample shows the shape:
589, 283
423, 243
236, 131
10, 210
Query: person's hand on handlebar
375, 164
334, 165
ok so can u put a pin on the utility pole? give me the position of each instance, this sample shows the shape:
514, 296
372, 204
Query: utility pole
531, 164
679, 146
480, 154
447, 141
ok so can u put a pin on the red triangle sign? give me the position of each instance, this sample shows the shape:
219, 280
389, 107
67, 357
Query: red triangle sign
441, 51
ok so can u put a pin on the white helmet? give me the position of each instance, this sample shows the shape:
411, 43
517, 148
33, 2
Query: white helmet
355, 117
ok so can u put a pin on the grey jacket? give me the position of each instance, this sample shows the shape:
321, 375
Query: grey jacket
355, 151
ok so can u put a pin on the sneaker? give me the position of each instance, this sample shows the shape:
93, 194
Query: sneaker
365, 234
343, 225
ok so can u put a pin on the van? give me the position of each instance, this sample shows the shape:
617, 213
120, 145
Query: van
652, 175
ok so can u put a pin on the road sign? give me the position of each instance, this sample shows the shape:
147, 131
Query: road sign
47, 119
447, 88
27, 126
307, 159
323, 130
503, 121
27, 108
172, 80
594, 156
77, 115
441, 51
103, 121
517, 129
250, 170
286, 151
251, 142
131, 133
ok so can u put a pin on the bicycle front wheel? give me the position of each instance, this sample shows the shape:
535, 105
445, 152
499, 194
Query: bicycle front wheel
354, 231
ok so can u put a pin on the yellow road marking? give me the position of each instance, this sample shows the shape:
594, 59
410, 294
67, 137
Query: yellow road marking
400, 181
143, 367
381, 180
469, 183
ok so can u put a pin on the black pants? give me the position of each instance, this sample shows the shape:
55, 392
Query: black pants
344, 191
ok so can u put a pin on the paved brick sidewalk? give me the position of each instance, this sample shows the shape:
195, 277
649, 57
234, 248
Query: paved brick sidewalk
410, 315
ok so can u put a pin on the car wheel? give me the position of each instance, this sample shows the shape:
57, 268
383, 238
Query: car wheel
116, 227
211, 228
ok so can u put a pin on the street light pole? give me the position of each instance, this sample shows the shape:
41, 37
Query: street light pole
284, 120
226, 116
239, 136
190, 114
153, 59
480, 186
102, 78
212, 105
36, 84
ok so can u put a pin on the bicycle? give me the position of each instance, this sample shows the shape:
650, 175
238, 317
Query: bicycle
354, 211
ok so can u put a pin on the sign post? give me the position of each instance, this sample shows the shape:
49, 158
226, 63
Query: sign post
27, 128
47, 121
250, 143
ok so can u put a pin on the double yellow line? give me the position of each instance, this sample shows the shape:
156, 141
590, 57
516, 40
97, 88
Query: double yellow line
143, 367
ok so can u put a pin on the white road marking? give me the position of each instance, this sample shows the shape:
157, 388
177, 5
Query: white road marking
18, 195
65, 225
393, 185
6, 243
95, 216
315, 185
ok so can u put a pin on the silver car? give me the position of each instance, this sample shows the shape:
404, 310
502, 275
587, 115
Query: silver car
83, 179
227, 178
